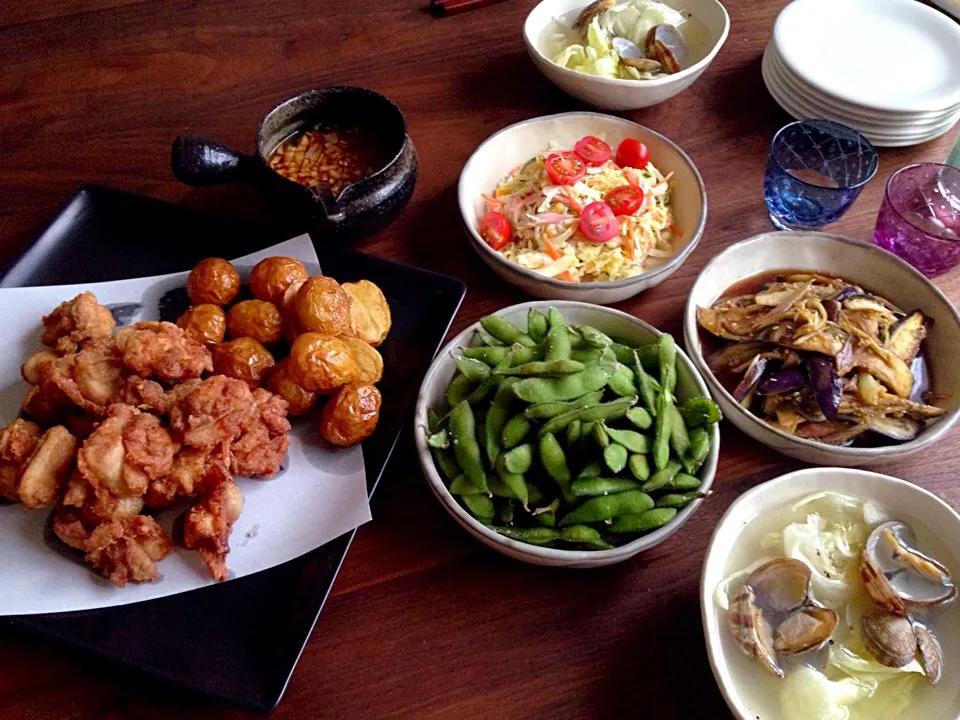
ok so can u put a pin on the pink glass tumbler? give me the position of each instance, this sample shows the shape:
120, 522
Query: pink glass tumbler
919, 219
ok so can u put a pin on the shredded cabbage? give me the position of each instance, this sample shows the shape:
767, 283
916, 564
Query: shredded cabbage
810, 695
634, 18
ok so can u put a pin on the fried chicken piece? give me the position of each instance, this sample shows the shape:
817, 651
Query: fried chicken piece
207, 525
127, 549
210, 412
92, 378
194, 469
75, 321
126, 451
47, 467
263, 443
18, 439
84, 507
162, 350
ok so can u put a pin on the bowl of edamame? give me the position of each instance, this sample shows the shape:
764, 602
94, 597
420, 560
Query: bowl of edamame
566, 434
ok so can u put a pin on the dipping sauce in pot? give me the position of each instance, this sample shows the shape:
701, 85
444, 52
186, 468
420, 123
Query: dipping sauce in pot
330, 159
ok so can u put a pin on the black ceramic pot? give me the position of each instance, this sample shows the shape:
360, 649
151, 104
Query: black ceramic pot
361, 206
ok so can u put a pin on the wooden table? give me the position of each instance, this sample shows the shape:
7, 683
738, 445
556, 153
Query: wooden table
423, 622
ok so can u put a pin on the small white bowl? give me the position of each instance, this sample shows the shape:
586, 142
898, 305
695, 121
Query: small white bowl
612, 322
875, 270
614, 93
517, 143
748, 689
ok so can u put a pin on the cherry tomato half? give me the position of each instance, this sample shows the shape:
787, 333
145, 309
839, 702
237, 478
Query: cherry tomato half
632, 153
495, 229
624, 200
592, 150
564, 168
598, 223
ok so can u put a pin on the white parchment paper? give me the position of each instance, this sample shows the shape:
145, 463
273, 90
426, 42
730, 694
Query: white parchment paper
319, 494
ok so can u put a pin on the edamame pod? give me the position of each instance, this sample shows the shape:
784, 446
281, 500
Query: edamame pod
643, 522
505, 331
586, 355
461, 486
439, 440
602, 486
507, 513
640, 417
679, 439
668, 363
630, 439
488, 339
605, 507
492, 356
515, 431
600, 435
570, 387
699, 449
615, 456
536, 495
434, 421
547, 410
593, 337
557, 344
584, 535
480, 506
517, 485
662, 477
573, 432
591, 414
446, 463
621, 382
639, 467
532, 536
661, 439
458, 389
683, 482
647, 393
540, 368
463, 436
536, 325
554, 461
592, 470
499, 489
497, 417
699, 411
518, 460
555, 319
473, 370
677, 500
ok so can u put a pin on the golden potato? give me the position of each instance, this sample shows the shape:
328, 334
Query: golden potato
279, 382
271, 277
255, 319
369, 312
213, 281
368, 359
322, 306
351, 415
291, 324
322, 363
205, 323
242, 359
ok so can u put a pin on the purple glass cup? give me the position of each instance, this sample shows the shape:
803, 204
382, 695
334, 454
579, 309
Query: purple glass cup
919, 220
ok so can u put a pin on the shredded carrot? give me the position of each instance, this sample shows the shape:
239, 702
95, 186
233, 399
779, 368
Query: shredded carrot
565, 275
551, 250
502, 191
570, 202
627, 245
673, 228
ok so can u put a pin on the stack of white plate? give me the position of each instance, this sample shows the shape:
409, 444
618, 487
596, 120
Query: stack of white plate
887, 68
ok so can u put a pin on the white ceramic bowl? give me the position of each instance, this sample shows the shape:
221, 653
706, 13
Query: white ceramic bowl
517, 143
864, 264
612, 322
748, 689
614, 93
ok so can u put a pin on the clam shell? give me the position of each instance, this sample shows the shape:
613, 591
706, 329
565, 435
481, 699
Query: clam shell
592, 10
805, 629
879, 586
751, 631
929, 652
781, 585
888, 637
641, 64
914, 577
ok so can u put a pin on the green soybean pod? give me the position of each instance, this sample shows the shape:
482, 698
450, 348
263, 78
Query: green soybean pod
440, 440
662, 477
622, 352
569, 387
543, 368
554, 462
668, 363
584, 535
661, 439
615, 456
531, 536
521, 354
505, 331
573, 432
517, 460
586, 355
630, 439
699, 449
644, 521
557, 344
492, 356
677, 500
446, 463
536, 325
488, 339
458, 390
461, 486
586, 435
434, 421
621, 382
499, 489
515, 431
555, 319
683, 482
591, 414
463, 435
639, 466
497, 417
606, 507
679, 439
699, 411
647, 394
517, 485
600, 435
640, 417
480, 506
547, 410
592, 470
507, 513
535, 493
473, 370
602, 486
593, 337
482, 390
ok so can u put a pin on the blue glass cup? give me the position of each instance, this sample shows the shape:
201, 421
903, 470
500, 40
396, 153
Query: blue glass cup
815, 170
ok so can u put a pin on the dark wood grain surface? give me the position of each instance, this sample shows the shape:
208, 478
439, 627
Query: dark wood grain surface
423, 622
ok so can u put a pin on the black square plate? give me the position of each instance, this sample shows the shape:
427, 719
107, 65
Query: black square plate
238, 641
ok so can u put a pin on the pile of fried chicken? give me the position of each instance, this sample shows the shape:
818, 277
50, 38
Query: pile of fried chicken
123, 421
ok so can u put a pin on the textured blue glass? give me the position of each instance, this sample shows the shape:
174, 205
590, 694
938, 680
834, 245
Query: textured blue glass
829, 149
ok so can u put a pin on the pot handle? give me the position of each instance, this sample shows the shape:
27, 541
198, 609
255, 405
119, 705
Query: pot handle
200, 162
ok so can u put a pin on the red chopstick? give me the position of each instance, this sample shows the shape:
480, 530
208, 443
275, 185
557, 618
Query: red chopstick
455, 7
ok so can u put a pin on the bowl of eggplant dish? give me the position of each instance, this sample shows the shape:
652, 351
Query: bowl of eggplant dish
827, 349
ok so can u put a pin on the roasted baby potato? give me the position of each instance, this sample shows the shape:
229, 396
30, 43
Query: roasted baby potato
368, 359
271, 277
322, 306
242, 359
322, 363
206, 323
279, 382
213, 281
351, 415
255, 319
369, 312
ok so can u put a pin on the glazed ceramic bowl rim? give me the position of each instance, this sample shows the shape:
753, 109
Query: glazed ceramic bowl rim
673, 262
623, 82
754, 496
706, 473
690, 329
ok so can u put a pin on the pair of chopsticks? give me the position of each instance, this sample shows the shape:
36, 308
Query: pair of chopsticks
442, 8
